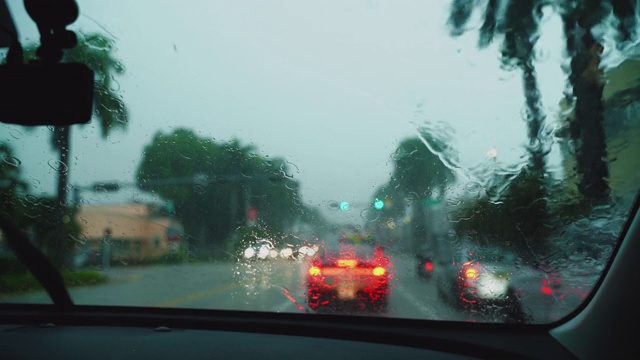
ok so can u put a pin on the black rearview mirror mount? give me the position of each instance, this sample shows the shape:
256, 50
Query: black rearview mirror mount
45, 91
46, 94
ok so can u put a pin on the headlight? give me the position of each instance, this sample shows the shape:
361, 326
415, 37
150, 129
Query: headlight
310, 252
249, 252
491, 287
263, 252
273, 253
286, 252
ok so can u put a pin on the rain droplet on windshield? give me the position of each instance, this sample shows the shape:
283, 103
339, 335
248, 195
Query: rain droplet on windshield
12, 161
57, 165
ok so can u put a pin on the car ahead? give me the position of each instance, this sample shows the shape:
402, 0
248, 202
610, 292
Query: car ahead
259, 251
491, 280
351, 274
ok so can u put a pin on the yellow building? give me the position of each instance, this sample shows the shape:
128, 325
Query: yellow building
132, 231
622, 127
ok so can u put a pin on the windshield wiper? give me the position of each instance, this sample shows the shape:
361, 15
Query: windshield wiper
37, 263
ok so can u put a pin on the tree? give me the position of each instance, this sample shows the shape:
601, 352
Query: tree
418, 174
587, 85
519, 27
508, 216
213, 185
184, 155
37, 216
417, 170
11, 184
96, 51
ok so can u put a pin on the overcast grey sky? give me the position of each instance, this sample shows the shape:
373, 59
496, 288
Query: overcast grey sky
332, 86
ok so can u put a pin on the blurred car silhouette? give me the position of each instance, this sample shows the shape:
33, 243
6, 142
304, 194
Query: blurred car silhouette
493, 279
349, 274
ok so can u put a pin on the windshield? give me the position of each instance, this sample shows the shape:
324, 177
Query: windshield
234, 143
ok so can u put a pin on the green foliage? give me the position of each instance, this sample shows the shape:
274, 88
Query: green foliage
218, 181
419, 173
515, 218
418, 170
180, 154
24, 281
9, 264
36, 216
519, 25
11, 185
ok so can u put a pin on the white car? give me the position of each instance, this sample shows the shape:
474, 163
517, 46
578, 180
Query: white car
493, 279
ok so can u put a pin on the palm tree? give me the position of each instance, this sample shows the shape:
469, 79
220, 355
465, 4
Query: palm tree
587, 85
95, 50
519, 25
518, 22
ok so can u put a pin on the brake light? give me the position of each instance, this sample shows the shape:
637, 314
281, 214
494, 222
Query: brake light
347, 263
471, 273
315, 271
545, 288
428, 266
379, 271
553, 280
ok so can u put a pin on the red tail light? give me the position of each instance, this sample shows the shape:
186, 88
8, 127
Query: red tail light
545, 288
428, 266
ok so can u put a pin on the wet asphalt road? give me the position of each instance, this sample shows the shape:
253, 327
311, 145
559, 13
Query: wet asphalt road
271, 285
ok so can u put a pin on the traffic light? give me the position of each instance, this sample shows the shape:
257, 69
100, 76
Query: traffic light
344, 206
106, 187
378, 204
252, 214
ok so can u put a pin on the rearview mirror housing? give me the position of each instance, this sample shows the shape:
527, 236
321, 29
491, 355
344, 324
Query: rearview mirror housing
46, 94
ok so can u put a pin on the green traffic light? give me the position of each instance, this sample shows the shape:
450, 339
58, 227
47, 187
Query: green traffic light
378, 204
344, 206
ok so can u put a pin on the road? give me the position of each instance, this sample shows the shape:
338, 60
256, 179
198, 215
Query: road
273, 286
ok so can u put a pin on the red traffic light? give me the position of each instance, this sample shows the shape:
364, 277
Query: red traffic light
252, 214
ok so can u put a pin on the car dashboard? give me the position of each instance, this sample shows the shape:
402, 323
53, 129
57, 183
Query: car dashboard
35, 332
